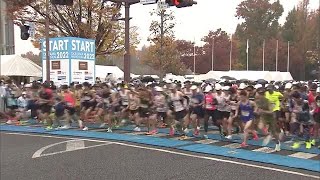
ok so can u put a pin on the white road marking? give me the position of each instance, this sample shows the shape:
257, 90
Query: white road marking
233, 146
60, 152
39, 152
182, 154
303, 155
265, 150
207, 141
74, 145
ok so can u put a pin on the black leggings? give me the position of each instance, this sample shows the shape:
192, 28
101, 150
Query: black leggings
214, 115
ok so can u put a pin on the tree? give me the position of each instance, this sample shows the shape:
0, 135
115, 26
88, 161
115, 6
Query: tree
186, 54
162, 54
260, 23
218, 43
33, 57
92, 19
302, 30
170, 59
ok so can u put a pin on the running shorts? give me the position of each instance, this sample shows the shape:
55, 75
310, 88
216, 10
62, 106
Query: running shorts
180, 115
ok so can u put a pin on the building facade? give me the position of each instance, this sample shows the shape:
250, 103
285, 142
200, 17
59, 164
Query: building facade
7, 45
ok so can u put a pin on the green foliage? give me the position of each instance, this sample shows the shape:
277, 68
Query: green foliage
162, 54
92, 19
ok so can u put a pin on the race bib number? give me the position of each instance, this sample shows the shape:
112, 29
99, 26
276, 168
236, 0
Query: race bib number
245, 113
209, 106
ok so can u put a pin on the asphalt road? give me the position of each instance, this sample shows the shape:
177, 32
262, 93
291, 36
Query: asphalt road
115, 162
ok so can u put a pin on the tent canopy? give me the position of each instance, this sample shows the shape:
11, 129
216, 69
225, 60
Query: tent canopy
15, 65
103, 71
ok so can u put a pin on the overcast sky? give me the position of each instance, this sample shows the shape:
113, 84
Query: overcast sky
191, 23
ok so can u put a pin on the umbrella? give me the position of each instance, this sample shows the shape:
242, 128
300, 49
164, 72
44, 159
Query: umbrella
244, 80
228, 78
148, 79
262, 81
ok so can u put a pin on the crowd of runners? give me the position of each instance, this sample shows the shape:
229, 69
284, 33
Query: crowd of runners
273, 111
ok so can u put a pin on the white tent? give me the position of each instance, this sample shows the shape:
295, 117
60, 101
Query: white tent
103, 71
250, 75
15, 65
276, 76
286, 76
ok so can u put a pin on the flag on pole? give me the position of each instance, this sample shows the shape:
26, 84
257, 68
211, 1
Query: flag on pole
247, 46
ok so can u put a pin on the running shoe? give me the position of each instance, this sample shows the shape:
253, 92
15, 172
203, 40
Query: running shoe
229, 137
102, 125
278, 147
205, 136
172, 132
9, 122
266, 140
155, 131
48, 128
85, 128
308, 144
255, 136
109, 130
67, 126
196, 133
186, 130
295, 145
243, 144
313, 142
137, 129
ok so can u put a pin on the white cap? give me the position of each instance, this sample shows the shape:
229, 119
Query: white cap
27, 86
217, 87
208, 89
257, 86
158, 89
242, 86
226, 88
288, 86
193, 87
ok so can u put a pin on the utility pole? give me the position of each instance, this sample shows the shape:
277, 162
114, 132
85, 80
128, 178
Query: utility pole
263, 56
127, 56
230, 68
194, 57
47, 23
162, 11
127, 43
212, 55
277, 55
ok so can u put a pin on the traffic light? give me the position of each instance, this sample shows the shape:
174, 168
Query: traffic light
184, 3
181, 3
62, 2
24, 32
